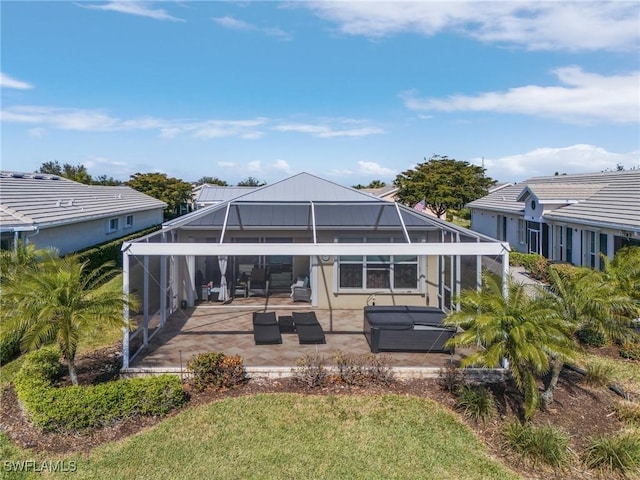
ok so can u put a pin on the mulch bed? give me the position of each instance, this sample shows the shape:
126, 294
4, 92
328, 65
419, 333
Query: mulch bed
581, 411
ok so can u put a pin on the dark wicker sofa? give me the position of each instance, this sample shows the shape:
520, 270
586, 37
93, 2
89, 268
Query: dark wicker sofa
406, 329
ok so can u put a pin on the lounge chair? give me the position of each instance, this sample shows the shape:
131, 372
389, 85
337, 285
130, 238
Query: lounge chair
308, 328
265, 328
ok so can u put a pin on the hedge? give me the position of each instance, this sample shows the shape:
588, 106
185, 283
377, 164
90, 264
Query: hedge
80, 407
111, 251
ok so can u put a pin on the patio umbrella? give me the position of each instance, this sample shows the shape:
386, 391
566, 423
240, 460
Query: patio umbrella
223, 296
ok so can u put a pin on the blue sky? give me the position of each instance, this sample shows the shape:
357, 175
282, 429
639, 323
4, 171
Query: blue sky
349, 91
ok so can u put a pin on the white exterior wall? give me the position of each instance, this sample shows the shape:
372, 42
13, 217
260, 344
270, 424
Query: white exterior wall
77, 236
486, 222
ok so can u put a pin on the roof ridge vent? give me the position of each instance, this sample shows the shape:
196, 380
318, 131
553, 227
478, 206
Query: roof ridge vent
58, 203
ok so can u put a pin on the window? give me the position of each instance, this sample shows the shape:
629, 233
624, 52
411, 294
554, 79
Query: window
559, 255
603, 248
113, 225
502, 228
569, 245
377, 272
522, 230
128, 223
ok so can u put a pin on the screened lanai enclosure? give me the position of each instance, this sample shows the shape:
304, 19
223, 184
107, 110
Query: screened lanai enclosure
347, 248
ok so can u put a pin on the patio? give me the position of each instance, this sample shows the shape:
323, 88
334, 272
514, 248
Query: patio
211, 326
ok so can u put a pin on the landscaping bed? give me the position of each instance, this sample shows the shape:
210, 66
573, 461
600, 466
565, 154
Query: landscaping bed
581, 411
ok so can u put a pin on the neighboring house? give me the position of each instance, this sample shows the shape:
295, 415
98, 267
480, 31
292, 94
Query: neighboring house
206, 194
569, 218
387, 192
351, 245
51, 211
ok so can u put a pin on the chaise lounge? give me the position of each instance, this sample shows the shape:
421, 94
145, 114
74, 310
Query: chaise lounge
265, 328
406, 329
308, 328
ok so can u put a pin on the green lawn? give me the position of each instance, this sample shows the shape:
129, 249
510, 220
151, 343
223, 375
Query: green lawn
625, 373
292, 436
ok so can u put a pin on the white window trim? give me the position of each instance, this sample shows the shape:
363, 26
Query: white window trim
128, 224
110, 229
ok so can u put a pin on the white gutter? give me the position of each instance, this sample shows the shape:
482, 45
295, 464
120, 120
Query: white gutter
304, 249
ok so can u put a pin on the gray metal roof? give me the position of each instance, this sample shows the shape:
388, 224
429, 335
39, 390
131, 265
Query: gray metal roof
29, 199
608, 198
212, 194
305, 187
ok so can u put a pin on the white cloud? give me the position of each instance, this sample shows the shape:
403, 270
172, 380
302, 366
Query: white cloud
573, 26
37, 132
226, 164
281, 165
9, 82
254, 166
131, 7
240, 25
324, 131
580, 158
581, 97
99, 121
373, 168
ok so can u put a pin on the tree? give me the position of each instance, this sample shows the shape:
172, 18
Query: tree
586, 299
174, 192
443, 183
372, 184
211, 181
56, 300
624, 271
521, 328
251, 182
76, 173
106, 180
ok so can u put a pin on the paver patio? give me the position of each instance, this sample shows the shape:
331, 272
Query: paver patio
228, 328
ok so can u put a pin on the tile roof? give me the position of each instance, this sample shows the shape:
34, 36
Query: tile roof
28, 199
611, 198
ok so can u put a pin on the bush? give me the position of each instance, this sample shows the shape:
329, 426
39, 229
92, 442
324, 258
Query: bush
630, 350
628, 411
362, 369
78, 407
544, 444
619, 453
9, 349
592, 337
216, 370
310, 371
597, 373
451, 378
475, 402
536, 265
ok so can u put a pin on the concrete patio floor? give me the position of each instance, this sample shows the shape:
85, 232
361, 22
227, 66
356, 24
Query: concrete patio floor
211, 326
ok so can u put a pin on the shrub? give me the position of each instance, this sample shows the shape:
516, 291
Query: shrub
213, 369
592, 337
630, 350
598, 373
628, 411
361, 369
310, 371
475, 402
537, 444
536, 265
9, 349
619, 453
450, 378
78, 407
379, 369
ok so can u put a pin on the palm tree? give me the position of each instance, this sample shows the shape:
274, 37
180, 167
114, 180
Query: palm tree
57, 299
587, 299
624, 271
520, 328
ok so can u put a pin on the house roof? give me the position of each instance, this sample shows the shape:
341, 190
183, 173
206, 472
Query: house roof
381, 192
32, 199
308, 203
211, 194
560, 192
606, 198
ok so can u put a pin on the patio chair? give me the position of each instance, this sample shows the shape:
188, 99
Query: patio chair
258, 282
308, 328
265, 328
300, 291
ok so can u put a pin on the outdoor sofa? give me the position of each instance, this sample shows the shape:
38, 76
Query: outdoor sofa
406, 329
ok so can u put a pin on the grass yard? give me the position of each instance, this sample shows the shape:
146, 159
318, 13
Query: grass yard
293, 436
625, 373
